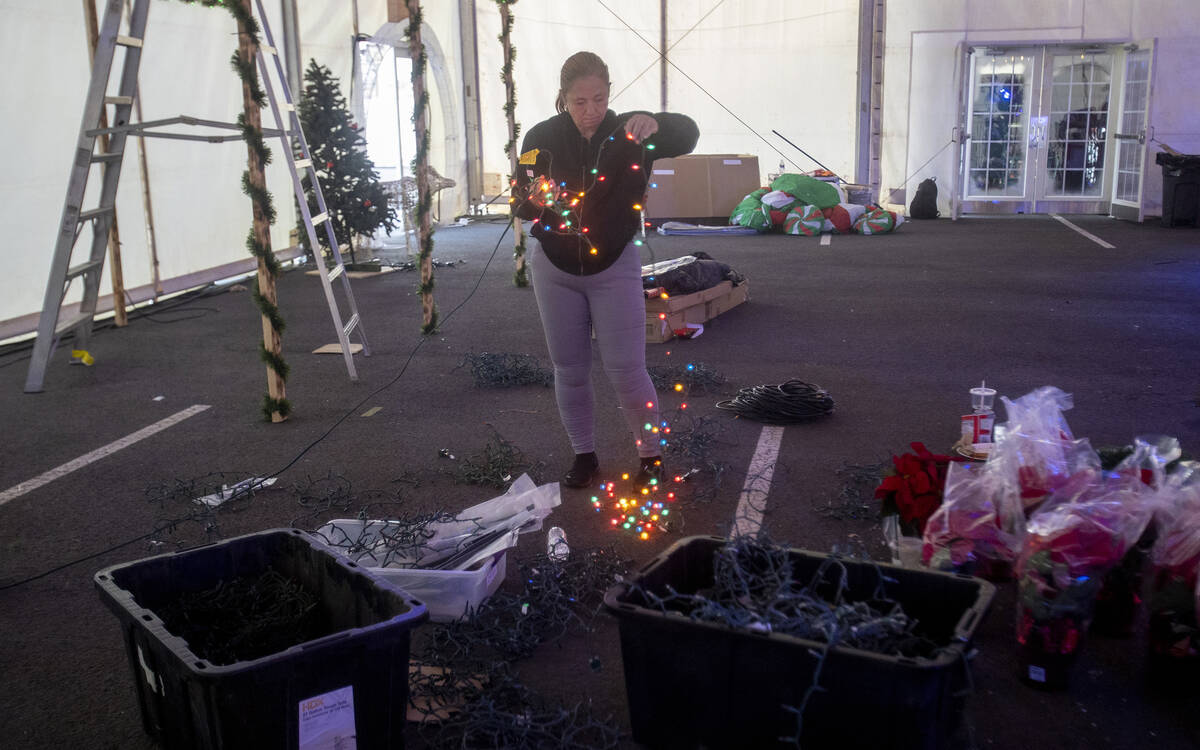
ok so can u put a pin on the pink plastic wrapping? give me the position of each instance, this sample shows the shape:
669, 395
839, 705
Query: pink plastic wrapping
967, 532
1036, 450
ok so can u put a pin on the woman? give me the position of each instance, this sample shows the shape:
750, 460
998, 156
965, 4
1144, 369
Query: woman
581, 181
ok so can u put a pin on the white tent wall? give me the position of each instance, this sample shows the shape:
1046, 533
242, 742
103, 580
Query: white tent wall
544, 35
922, 70
788, 67
201, 216
326, 31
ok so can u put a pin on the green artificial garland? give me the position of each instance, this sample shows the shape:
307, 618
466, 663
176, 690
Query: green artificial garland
260, 197
420, 167
520, 275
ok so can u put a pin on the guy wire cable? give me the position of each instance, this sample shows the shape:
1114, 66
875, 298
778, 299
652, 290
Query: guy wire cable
787, 403
354, 409
697, 84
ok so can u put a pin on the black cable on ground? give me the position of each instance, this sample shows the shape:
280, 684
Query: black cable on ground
353, 410
787, 403
137, 312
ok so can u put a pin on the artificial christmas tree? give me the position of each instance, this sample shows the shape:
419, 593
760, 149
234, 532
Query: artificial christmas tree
354, 196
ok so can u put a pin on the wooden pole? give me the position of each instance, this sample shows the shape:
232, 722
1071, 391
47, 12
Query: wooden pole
520, 275
421, 104
272, 340
147, 206
114, 237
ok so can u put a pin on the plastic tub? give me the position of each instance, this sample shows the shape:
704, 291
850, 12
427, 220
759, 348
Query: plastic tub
692, 683
350, 680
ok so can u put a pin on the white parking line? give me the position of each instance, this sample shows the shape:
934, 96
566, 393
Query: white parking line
28, 486
753, 499
1083, 231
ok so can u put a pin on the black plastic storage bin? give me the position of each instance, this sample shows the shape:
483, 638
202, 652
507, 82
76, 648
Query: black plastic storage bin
692, 683
352, 678
1181, 188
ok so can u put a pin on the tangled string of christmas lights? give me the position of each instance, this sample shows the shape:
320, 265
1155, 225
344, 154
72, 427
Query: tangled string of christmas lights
183, 507
855, 499
472, 699
244, 618
696, 377
506, 370
755, 587
496, 466
544, 194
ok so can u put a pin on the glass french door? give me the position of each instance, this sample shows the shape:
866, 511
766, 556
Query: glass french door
1131, 133
1039, 135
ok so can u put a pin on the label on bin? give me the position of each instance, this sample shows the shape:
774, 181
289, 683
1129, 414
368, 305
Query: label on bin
328, 721
1037, 674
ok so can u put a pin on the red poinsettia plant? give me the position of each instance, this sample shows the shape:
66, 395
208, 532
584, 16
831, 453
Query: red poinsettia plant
914, 489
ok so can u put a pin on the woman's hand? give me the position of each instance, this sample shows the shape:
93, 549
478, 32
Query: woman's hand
641, 127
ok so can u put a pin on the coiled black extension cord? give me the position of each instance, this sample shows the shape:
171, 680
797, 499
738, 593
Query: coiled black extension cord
787, 403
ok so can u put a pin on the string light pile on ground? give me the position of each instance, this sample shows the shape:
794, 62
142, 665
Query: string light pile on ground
696, 377
333, 494
473, 699
412, 265
505, 370
855, 499
687, 442
498, 464
185, 520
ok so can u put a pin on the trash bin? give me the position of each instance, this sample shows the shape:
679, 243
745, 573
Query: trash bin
1181, 188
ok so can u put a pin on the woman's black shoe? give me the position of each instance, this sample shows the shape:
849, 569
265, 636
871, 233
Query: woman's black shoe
583, 472
650, 474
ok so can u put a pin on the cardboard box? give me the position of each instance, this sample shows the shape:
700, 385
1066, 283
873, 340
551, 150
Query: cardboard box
700, 186
664, 316
493, 184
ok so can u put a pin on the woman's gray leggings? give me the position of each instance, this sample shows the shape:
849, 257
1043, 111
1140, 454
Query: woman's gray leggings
613, 305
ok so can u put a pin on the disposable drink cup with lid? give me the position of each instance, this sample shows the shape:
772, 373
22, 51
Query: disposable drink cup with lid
982, 398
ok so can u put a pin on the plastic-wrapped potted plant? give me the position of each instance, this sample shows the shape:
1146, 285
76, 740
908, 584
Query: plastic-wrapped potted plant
908, 497
1174, 596
1068, 549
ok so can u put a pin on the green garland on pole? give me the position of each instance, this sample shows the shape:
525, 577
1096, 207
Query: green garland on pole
260, 197
429, 316
520, 274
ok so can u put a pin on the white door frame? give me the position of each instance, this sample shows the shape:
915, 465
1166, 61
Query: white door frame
1121, 209
1035, 198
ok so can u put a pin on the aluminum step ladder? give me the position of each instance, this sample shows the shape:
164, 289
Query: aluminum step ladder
297, 162
55, 320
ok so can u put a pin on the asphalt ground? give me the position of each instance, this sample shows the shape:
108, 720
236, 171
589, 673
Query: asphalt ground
896, 327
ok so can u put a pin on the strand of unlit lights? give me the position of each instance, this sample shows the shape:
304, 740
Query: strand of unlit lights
498, 464
506, 370
473, 699
755, 588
